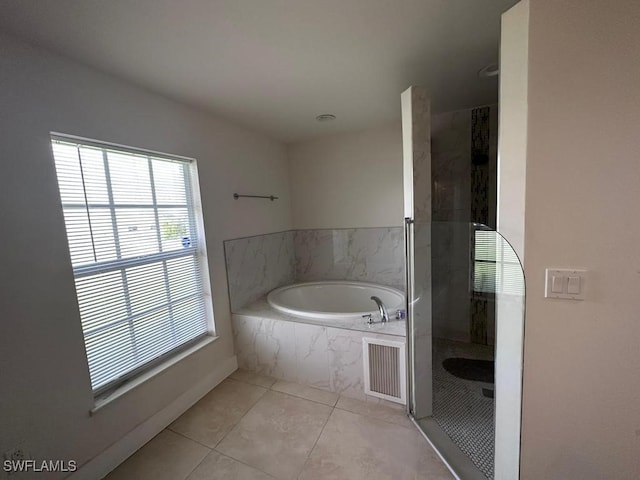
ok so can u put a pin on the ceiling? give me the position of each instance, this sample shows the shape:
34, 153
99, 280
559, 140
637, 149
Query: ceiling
274, 65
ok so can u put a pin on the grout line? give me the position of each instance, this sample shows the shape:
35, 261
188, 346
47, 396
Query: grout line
248, 383
189, 438
199, 463
298, 397
282, 393
373, 417
235, 424
251, 383
232, 426
315, 443
293, 395
243, 463
335, 405
194, 441
306, 398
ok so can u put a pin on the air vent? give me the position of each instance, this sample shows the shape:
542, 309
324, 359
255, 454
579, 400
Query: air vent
385, 369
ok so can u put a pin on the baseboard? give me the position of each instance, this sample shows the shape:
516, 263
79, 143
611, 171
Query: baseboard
105, 462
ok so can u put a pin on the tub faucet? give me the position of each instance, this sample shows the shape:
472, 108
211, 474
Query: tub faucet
383, 310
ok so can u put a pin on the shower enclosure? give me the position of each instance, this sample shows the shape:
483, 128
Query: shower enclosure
461, 314
465, 300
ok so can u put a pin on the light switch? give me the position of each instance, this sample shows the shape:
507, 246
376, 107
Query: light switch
565, 283
556, 283
573, 285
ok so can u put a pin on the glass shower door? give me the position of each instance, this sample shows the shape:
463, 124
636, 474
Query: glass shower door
465, 304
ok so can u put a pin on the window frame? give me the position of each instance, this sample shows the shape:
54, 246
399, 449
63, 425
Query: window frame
198, 252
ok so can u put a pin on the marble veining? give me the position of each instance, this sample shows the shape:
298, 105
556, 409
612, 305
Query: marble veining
419, 119
325, 357
312, 355
308, 351
347, 373
361, 254
257, 265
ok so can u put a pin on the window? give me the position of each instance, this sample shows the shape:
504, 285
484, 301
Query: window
134, 241
496, 268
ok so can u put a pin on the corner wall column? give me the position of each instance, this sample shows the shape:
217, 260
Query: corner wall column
416, 138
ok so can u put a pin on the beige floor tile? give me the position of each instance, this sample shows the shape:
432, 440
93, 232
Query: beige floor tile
371, 409
219, 467
277, 434
356, 447
209, 420
303, 391
168, 456
253, 378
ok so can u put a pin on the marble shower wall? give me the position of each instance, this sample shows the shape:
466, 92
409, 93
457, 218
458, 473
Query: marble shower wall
257, 265
362, 254
464, 191
451, 166
416, 146
451, 177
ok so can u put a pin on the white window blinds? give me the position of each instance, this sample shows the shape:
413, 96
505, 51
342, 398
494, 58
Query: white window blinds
133, 240
496, 268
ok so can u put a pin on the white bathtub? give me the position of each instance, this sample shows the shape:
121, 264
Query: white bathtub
334, 300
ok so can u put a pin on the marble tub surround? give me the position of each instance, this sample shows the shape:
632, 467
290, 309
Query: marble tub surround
325, 357
261, 308
256, 265
310, 351
374, 255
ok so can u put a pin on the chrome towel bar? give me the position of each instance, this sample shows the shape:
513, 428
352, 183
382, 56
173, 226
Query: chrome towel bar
270, 197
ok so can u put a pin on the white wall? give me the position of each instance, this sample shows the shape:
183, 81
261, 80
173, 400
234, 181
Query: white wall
348, 180
581, 413
512, 140
46, 393
512, 157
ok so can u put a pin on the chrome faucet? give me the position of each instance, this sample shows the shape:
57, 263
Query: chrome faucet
383, 310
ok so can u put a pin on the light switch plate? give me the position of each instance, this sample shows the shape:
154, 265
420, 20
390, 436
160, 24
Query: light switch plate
556, 276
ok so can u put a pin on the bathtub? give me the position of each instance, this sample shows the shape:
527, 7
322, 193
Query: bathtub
334, 300
314, 333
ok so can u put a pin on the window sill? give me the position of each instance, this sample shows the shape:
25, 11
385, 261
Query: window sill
135, 382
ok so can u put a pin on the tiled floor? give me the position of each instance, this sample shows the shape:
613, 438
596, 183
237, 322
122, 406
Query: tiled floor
252, 427
459, 406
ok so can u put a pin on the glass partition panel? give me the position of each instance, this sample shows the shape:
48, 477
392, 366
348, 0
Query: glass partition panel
466, 320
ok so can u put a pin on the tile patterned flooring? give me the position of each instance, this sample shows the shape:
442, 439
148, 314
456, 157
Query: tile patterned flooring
252, 427
459, 406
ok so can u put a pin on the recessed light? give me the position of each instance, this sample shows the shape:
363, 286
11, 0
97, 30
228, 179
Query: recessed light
325, 117
490, 70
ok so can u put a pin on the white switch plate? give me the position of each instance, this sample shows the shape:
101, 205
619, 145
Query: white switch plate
561, 276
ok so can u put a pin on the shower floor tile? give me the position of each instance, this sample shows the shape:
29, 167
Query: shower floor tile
459, 406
